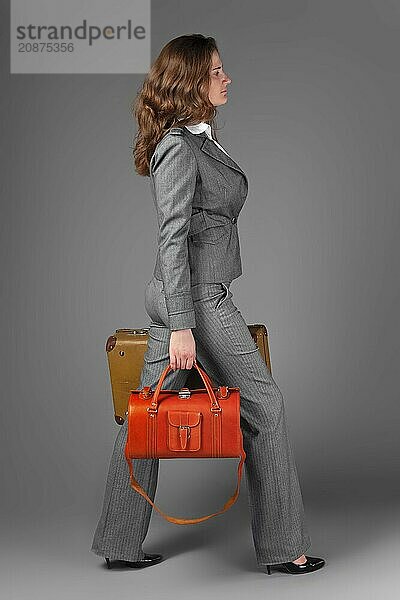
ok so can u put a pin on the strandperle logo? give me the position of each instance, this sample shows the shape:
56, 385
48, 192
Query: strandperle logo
75, 36
87, 32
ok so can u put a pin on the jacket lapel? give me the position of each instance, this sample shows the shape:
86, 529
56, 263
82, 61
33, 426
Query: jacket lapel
211, 148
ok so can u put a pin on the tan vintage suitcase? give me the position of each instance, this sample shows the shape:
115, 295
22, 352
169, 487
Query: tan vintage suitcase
125, 353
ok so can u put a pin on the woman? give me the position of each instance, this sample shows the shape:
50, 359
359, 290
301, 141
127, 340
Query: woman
199, 190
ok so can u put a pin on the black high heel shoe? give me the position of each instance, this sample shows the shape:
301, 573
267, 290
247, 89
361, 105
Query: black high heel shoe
149, 559
312, 564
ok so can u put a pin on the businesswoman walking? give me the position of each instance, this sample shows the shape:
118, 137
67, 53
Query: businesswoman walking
199, 191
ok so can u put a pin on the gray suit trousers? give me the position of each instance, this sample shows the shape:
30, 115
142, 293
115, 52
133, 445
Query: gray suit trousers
227, 352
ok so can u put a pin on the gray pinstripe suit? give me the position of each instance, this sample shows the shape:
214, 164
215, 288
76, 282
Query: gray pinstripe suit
198, 192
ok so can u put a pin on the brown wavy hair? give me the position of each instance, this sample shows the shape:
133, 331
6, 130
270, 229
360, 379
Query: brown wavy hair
176, 88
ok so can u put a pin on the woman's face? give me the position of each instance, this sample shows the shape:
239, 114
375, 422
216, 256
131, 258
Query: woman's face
219, 80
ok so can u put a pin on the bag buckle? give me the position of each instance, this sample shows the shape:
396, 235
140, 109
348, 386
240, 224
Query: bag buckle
185, 427
184, 393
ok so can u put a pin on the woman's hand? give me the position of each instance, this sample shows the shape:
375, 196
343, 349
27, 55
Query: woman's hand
182, 349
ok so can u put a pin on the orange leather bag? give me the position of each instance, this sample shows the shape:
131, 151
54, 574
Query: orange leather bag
200, 423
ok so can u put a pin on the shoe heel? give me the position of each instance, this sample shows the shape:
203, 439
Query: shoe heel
268, 570
108, 563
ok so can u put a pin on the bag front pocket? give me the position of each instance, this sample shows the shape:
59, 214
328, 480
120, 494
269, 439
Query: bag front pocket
184, 430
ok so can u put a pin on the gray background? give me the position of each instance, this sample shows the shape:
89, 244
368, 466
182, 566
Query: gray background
312, 117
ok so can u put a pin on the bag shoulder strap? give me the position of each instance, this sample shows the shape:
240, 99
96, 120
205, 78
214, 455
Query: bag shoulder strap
136, 486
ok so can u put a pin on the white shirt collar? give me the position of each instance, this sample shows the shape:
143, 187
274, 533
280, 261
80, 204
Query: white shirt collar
200, 127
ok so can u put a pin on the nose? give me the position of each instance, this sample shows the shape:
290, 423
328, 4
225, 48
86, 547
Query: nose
227, 78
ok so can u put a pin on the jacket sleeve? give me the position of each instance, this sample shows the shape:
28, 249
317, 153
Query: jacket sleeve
174, 171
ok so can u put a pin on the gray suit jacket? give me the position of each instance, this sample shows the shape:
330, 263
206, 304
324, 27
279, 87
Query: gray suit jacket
198, 192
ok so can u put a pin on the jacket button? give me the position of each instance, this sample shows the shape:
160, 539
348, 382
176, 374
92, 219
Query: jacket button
233, 219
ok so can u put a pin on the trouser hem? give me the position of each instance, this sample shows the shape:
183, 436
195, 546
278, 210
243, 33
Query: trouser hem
278, 561
120, 556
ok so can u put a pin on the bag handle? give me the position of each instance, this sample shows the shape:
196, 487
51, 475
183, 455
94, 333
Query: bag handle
214, 404
207, 382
